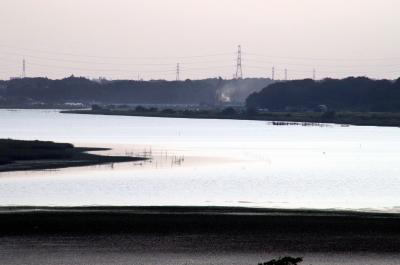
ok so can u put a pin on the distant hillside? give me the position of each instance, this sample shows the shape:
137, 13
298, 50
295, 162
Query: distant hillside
78, 89
350, 94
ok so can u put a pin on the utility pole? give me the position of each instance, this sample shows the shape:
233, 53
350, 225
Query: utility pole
239, 72
177, 72
23, 69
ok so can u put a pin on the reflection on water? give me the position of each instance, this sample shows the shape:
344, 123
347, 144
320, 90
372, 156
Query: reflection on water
209, 162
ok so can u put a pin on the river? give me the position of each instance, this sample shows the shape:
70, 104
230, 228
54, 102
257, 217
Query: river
209, 162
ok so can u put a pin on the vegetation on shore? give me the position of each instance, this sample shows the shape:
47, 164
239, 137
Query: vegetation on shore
28, 155
280, 118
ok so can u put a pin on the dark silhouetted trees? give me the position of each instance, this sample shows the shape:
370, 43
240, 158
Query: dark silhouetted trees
228, 111
79, 89
349, 94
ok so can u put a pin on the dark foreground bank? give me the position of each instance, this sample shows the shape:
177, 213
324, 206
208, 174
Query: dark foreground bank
348, 118
31, 155
210, 228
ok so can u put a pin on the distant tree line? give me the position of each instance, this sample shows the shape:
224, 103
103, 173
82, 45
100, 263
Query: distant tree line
349, 94
79, 89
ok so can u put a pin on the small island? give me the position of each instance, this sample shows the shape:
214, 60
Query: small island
17, 155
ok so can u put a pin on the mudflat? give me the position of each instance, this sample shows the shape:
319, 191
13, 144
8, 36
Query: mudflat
17, 155
211, 228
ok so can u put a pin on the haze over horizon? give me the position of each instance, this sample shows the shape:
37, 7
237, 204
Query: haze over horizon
123, 39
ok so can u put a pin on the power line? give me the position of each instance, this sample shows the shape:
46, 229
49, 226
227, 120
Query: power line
202, 55
107, 63
167, 65
122, 70
93, 65
322, 59
93, 69
263, 62
307, 71
118, 57
197, 69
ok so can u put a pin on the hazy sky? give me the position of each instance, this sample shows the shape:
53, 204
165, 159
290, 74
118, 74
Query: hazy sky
127, 38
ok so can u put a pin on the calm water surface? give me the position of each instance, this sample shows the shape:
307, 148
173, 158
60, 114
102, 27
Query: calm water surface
209, 162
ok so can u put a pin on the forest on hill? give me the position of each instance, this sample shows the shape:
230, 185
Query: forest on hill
79, 89
349, 94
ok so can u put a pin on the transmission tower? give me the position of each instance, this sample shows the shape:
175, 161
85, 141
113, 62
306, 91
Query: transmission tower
239, 72
286, 75
23, 69
273, 73
314, 74
177, 72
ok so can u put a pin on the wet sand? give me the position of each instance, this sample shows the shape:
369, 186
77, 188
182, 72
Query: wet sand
195, 235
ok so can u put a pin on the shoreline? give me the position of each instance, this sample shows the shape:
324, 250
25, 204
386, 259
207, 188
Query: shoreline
201, 210
302, 118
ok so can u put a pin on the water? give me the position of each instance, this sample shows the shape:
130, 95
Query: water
209, 162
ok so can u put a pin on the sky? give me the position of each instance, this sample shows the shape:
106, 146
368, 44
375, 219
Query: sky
145, 39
